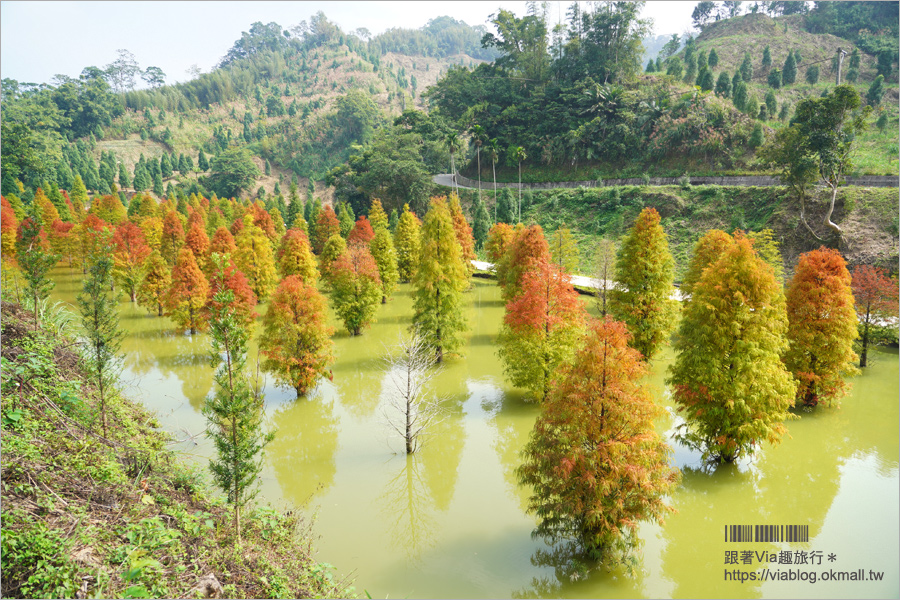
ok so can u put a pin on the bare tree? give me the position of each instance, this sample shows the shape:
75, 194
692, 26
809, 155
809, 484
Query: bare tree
409, 411
605, 265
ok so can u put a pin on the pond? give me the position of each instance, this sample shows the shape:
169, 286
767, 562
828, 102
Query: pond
450, 520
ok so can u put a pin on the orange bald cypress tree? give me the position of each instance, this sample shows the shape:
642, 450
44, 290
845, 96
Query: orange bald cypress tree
172, 237
463, 234
188, 293
327, 225
197, 240
594, 461
362, 232
822, 327
296, 343
226, 276
541, 329
222, 242
527, 249
707, 251
130, 252
355, 288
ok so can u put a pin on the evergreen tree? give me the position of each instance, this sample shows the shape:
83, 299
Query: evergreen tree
481, 225
100, 317
35, 260
506, 210
645, 271
822, 327
440, 280
235, 412
705, 80
723, 85
294, 209
346, 219
124, 179
789, 73
165, 167
728, 378
766, 58
393, 220
876, 91
202, 163
774, 79
407, 244
296, 341
746, 69
594, 462
771, 103
713, 60
740, 96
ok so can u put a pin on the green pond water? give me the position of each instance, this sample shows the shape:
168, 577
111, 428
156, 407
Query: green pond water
450, 520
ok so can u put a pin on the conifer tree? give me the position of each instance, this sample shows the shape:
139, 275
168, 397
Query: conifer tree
822, 327
527, 249
187, 294
255, 259
222, 242
355, 288
334, 247
361, 233
728, 378
202, 163
481, 225
172, 236
296, 343
564, 250
235, 412
294, 209
129, 253
346, 219
541, 328
766, 58
439, 281
155, 286
499, 238
746, 69
382, 249
789, 73
100, 317
35, 260
79, 197
645, 272
198, 242
463, 234
377, 216
393, 220
295, 258
594, 462
224, 275
706, 252
407, 242
327, 225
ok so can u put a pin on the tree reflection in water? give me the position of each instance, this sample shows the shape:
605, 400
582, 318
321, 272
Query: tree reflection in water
408, 509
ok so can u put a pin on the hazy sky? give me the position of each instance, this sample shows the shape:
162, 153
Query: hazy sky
41, 39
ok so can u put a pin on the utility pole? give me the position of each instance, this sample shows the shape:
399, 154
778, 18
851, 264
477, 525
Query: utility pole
840, 61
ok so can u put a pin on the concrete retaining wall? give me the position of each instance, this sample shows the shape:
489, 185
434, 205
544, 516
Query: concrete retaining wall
747, 180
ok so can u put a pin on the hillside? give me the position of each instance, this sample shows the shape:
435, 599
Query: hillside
119, 515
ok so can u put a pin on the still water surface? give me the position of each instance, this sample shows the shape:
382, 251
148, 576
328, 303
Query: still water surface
450, 522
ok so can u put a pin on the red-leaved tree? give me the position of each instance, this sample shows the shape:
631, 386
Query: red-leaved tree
130, 252
876, 304
188, 293
296, 342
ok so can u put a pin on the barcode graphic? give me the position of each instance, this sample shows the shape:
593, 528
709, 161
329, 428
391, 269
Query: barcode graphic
767, 533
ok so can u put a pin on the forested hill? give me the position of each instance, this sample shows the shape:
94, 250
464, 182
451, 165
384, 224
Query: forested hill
376, 116
297, 98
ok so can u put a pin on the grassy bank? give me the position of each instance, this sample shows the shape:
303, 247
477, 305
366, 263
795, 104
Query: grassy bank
119, 515
868, 217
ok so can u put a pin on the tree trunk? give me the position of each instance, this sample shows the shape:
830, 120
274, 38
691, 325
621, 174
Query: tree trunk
833, 226
864, 352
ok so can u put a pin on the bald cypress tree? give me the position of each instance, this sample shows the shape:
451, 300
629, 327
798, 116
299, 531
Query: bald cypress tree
440, 280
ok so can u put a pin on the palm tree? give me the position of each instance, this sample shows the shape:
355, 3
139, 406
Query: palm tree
494, 153
478, 136
519, 154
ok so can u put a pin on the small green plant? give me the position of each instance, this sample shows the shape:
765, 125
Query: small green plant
685, 181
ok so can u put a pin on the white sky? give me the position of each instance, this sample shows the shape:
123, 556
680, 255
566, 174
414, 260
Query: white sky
41, 39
